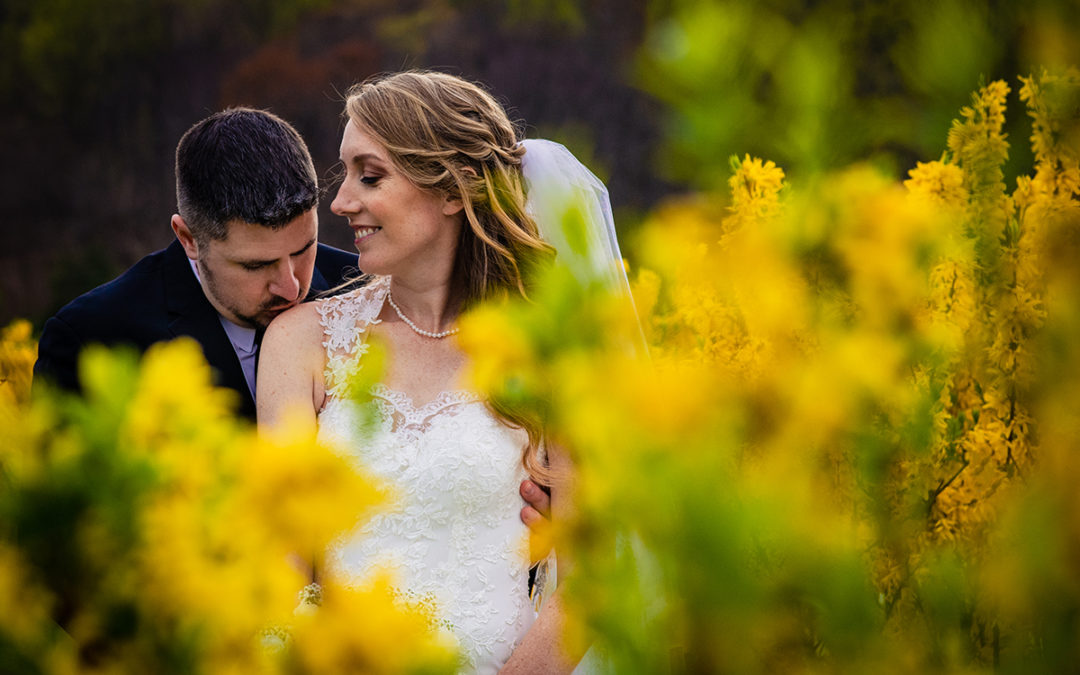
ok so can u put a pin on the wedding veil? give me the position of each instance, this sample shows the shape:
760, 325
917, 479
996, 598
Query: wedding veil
561, 190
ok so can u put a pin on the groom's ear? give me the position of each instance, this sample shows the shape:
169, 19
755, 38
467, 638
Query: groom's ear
184, 236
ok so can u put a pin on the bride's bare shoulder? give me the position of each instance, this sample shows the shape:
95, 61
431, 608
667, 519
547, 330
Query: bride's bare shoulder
296, 328
290, 364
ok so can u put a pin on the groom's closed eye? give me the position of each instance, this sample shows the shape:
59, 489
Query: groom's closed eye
254, 265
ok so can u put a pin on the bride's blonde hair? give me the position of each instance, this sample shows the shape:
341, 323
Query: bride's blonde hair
450, 137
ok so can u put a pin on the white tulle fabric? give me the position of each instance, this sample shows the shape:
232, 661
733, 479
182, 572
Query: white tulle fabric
572, 210
452, 536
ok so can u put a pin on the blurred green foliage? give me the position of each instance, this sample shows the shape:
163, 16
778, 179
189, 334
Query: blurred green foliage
816, 85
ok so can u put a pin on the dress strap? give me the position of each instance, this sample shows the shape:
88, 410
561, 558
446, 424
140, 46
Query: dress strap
345, 320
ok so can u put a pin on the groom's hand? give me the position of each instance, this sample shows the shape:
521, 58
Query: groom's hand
537, 516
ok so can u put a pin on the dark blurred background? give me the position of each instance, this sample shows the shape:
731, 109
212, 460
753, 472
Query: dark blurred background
654, 95
97, 94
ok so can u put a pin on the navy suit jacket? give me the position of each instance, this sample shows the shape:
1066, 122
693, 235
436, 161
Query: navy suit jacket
159, 299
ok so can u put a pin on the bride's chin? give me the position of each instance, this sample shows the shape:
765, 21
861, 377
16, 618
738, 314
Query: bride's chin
372, 265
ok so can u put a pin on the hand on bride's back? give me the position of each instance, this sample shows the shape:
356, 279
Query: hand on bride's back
537, 517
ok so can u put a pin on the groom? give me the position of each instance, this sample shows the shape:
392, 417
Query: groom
246, 250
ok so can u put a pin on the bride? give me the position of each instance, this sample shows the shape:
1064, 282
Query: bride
435, 194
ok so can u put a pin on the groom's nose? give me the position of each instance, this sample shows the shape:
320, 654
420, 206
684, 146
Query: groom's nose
285, 283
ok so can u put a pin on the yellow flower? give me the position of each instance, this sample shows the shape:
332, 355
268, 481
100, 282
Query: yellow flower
27, 628
940, 182
1055, 137
17, 355
499, 348
203, 567
174, 394
755, 188
646, 292
302, 491
367, 629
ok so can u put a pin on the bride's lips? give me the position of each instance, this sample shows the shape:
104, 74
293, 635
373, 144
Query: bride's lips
364, 232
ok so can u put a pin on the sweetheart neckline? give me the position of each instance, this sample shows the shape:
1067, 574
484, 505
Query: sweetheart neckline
443, 398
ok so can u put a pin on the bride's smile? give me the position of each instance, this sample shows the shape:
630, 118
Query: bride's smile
363, 232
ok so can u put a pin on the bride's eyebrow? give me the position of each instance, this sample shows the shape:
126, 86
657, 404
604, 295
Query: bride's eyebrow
365, 158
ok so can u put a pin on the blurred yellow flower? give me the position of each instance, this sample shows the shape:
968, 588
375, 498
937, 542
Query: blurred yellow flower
174, 395
301, 490
369, 629
27, 629
489, 331
18, 351
940, 182
755, 189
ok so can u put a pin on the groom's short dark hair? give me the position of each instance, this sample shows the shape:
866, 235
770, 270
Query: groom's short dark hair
242, 164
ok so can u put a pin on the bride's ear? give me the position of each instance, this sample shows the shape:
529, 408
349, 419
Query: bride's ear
452, 206
184, 236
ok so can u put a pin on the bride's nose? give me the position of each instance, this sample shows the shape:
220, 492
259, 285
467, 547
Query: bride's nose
347, 199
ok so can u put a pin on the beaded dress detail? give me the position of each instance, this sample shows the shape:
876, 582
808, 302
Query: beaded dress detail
452, 535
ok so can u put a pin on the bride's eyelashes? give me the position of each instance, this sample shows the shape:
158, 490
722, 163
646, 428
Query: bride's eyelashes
370, 180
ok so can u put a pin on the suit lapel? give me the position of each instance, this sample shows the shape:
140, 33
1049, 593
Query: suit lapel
191, 314
318, 284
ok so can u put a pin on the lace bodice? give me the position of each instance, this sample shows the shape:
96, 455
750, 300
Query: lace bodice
452, 536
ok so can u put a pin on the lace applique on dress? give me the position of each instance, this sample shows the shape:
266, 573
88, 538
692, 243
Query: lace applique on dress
410, 421
345, 320
453, 533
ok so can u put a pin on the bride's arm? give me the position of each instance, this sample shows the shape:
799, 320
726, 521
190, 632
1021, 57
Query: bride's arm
291, 359
543, 651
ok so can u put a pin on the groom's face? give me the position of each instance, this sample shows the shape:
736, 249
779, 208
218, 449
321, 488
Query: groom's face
256, 272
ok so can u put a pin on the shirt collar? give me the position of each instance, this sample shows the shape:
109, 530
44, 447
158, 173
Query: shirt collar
241, 337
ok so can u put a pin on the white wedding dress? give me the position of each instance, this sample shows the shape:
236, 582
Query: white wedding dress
452, 534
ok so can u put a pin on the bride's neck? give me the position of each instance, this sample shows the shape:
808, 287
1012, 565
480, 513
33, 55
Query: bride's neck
428, 303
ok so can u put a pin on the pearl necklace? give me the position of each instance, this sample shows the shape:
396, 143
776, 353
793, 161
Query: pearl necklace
416, 329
